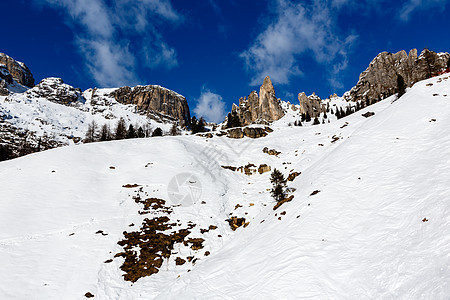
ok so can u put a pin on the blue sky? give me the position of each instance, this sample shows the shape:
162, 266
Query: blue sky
216, 51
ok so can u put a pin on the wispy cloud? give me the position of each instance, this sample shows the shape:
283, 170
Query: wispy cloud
103, 34
210, 106
297, 29
413, 5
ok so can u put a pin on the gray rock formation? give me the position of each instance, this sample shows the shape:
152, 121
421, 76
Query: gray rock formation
18, 70
379, 80
153, 98
311, 105
259, 109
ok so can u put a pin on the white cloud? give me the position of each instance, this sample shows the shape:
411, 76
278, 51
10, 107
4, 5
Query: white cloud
110, 65
103, 34
210, 106
298, 29
412, 5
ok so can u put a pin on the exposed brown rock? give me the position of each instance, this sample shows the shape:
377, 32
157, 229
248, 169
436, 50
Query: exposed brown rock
311, 105
283, 201
235, 133
263, 109
379, 80
293, 175
18, 70
271, 151
254, 132
153, 98
263, 169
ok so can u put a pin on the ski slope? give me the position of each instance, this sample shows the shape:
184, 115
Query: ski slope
379, 227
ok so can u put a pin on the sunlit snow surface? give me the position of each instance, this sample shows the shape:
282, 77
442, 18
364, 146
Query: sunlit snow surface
378, 229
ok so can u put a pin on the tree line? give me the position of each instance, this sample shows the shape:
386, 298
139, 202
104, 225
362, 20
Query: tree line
122, 130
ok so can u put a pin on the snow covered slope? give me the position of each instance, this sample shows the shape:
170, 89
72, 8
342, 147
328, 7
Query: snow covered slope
370, 217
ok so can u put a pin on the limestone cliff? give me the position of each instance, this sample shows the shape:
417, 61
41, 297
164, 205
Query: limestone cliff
379, 80
259, 109
154, 98
19, 71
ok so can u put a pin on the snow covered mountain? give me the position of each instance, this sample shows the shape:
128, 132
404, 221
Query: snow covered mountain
53, 113
192, 217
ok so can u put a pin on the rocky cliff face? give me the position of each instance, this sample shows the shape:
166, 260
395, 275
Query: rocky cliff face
19, 71
259, 109
311, 105
153, 98
379, 80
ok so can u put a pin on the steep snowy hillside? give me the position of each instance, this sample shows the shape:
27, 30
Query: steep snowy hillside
370, 216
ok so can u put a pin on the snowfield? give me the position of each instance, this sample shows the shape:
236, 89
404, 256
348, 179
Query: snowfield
377, 226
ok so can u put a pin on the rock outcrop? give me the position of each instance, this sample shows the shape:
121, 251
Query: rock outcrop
311, 105
379, 80
154, 98
5, 79
261, 109
55, 90
19, 71
251, 132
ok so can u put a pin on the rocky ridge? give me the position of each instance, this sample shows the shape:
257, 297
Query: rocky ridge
379, 80
28, 123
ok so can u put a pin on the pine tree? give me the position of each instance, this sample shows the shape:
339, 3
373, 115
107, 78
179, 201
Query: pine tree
303, 117
105, 133
140, 132
197, 125
157, 132
233, 120
325, 115
121, 130
316, 121
308, 117
5, 152
131, 133
91, 132
401, 86
278, 181
448, 64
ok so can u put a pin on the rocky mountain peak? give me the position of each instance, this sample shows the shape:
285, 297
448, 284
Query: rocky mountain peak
262, 108
267, 86
19, 71
55, 90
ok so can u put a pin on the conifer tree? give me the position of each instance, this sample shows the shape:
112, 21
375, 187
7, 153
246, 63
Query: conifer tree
91, 132
157, 132
278, 181
131, 133
316, 121
401, 86
308, 117
105, 133
121, 130
140, 132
